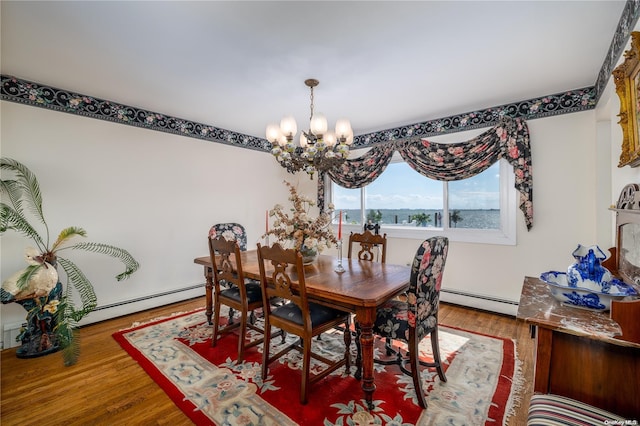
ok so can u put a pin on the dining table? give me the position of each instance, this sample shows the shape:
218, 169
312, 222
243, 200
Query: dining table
360, 289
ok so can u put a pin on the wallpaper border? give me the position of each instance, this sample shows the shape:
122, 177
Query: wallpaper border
39, 95
35, 94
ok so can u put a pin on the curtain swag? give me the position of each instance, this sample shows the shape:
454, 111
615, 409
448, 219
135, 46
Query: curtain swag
508, 139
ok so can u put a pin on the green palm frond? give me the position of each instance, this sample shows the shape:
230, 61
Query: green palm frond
14, 191
26, 276
11, 219
131, 265
67, 332
77, 280
71, 351
26, 184
67, 234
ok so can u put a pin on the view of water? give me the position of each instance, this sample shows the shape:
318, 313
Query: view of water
476, 219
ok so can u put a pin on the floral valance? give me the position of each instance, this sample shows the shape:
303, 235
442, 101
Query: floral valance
363, 170
509, 139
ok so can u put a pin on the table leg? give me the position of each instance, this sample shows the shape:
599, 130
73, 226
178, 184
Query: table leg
364, 316
208, 274
542, 369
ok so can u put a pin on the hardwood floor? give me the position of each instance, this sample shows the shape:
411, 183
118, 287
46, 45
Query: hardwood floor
107, 387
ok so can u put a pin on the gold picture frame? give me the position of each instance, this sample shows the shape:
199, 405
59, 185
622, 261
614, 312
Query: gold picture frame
627, 79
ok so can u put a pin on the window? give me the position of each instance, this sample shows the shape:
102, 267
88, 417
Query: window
406, 204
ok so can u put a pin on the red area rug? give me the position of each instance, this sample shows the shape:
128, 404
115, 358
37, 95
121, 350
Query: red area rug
210, 387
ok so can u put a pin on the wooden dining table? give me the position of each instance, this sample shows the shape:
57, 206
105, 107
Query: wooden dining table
360, 289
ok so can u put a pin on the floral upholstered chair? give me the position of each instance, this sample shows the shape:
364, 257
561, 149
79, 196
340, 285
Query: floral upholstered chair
412, 320
230, 232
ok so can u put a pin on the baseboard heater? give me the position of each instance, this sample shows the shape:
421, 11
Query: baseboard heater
143, 303
480, 301
113, 310
149, 297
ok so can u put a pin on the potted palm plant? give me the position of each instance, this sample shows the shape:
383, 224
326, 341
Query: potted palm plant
53, 310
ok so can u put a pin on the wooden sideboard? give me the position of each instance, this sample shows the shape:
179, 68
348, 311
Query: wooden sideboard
579, 353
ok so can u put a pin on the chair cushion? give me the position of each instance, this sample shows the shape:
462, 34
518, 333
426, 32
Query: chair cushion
552, 410
319, 313
254, 293
391, 320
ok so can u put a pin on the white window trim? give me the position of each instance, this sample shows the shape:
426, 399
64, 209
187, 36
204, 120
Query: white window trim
506, 235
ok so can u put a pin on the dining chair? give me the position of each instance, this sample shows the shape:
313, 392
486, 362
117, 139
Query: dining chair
243, 296
372, 246
282, 275
231, 231
411, 320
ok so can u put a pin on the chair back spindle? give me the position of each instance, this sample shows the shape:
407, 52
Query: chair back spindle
372, 247
226, 253
284, 277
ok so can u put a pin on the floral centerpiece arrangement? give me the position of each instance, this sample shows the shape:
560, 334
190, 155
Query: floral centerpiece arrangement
300, 230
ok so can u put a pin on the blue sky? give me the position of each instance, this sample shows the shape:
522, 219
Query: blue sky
401, 187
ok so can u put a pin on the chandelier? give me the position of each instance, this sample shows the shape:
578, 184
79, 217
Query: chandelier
317, 148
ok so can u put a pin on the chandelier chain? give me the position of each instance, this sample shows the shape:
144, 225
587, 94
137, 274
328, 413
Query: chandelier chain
311, 97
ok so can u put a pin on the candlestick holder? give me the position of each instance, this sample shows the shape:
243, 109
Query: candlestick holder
339, 268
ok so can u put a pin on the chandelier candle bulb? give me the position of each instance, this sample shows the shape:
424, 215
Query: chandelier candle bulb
329, 139
273, 132
288, 126
319, 125
343, 128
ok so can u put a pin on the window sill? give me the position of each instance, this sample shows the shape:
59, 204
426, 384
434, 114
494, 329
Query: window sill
477, 236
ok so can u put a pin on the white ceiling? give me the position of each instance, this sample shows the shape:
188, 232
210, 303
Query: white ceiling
239, 65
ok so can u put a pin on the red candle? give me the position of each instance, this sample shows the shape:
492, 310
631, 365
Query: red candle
340, 226
266, 218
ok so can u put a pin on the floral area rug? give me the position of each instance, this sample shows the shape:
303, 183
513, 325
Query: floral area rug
211, 388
